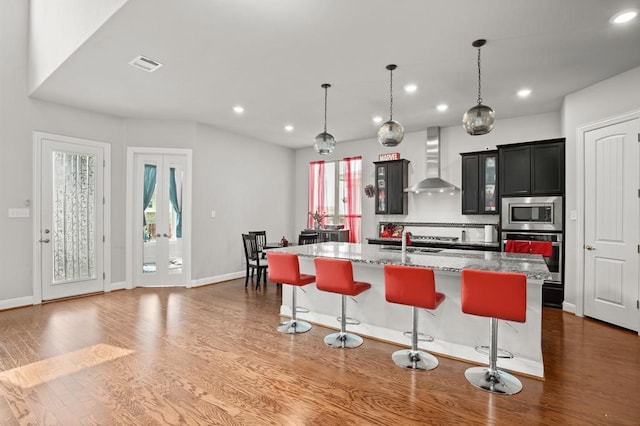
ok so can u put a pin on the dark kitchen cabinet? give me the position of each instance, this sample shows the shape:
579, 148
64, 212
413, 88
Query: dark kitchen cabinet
392, 177
480, 182
532, 168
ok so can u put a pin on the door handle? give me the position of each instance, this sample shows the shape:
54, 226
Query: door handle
589, 247
46, 240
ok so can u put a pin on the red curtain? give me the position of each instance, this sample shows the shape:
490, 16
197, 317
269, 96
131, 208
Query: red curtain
316, 190
353, 196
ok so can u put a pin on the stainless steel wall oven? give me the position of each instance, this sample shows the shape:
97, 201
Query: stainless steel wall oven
538, 219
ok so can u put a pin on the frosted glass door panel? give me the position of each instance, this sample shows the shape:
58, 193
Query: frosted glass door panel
71, 218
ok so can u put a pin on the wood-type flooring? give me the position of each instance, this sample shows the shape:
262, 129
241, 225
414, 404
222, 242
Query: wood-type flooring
212, 355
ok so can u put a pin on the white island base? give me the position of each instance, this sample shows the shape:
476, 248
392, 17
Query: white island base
455, 334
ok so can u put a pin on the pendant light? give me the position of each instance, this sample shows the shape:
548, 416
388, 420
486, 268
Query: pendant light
391, 132
325, 143
479, 119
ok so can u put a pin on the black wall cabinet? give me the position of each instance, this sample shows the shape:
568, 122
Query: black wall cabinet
392, 177
480, 182
532, 168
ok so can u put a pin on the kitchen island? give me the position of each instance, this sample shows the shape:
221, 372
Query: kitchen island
455, 334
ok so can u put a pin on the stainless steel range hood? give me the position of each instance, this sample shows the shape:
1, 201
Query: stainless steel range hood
432, 181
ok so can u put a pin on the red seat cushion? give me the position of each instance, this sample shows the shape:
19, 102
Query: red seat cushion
412, 286
285, 268
336, 276
501, 295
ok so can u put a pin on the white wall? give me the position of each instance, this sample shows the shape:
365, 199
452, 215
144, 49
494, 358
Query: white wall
249, 183
609, 98
453, 141
19, 117
57, 28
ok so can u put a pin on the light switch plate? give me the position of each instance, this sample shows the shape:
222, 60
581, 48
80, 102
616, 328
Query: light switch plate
573, 215
19, 213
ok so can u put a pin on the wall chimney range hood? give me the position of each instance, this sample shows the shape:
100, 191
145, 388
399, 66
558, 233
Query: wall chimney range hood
432, 182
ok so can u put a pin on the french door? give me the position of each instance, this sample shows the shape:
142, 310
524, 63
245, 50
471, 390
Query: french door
70, 221
159, 215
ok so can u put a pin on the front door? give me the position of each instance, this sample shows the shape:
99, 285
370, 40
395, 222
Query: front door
160, 254
612, 182
71, 216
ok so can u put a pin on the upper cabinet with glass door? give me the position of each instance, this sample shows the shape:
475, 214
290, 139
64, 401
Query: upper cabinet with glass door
480, 182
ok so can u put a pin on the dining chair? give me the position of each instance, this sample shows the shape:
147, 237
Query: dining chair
261, 240
253, 259
307, 238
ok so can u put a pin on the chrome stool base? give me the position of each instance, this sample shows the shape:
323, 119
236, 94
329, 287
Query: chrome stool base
294, 327
499, 381
415, 360
343, 340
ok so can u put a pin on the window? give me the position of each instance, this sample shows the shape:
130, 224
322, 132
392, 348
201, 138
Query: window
335, 191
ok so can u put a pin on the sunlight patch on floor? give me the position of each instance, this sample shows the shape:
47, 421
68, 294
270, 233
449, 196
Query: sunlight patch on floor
40, 372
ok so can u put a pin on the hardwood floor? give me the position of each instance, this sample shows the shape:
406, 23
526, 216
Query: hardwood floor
211, 355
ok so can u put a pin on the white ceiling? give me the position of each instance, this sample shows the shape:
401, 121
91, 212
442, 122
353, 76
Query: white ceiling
271, 56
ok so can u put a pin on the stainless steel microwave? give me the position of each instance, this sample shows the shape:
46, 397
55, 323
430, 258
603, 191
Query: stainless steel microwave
532, 214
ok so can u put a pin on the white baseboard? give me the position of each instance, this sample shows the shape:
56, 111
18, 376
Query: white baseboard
121, 285
569, 307
217, 279
16, 303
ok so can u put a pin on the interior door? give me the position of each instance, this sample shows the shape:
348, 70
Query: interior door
159, 253
611, 224
71, 218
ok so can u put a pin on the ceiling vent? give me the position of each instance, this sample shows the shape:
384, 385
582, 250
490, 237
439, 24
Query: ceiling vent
144, 63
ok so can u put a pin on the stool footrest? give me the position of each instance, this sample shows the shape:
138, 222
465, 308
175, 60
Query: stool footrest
302, 310
349, 320
421, 336
501, 352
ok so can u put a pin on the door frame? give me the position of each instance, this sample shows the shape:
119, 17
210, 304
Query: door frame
130, 210
580, 199
37, 217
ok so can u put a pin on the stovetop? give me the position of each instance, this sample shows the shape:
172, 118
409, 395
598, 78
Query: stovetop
432, 238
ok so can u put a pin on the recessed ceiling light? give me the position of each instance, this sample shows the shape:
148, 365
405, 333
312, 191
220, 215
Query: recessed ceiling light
238, 109
523, 93
410, 88
377, 119
442, 107
288, 128
624, 16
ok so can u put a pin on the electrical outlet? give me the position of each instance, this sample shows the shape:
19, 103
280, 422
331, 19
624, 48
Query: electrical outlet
213, 213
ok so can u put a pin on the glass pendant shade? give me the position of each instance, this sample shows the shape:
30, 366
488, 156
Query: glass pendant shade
324, 143
478, 120
390, 133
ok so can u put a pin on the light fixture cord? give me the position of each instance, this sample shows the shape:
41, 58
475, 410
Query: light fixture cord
391, 96
479, 80
325, 110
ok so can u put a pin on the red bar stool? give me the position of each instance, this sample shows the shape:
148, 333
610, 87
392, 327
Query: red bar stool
498, 295
284, 268
336, 276
415, 287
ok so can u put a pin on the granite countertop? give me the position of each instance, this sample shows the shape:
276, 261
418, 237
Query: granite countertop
450, 260
434, 243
